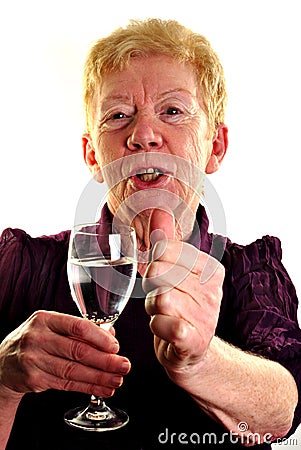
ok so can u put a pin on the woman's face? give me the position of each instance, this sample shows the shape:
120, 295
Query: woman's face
151, 133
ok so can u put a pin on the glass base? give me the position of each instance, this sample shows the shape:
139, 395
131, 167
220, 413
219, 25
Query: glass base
96, 417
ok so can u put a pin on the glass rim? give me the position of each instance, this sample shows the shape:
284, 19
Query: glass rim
77, 228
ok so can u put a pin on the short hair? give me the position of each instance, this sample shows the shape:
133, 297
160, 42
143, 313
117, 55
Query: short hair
151, 37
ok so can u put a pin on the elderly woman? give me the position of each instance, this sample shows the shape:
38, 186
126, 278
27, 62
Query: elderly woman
213, 359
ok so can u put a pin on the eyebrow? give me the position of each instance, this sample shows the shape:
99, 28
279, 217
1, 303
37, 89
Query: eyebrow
175, 91
116, 98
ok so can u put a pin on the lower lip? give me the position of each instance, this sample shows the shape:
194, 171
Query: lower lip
158, 183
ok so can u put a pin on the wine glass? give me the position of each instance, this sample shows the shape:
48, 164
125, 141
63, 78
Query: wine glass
101, 270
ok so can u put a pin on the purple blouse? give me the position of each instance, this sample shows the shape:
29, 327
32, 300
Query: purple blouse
258, 314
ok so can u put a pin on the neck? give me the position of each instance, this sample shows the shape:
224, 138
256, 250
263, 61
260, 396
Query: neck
141, 223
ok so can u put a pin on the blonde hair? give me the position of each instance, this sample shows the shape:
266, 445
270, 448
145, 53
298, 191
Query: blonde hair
156, 36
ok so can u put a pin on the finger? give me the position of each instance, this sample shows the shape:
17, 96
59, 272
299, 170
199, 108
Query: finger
197, 304
75, 350
166, 276
173, 303
91, 389
162, 226
36, 365
86, 388
164, 273
74, 371
112, 331
180, 253
48, 381
180, 334
201, 315
188, 256
77, 327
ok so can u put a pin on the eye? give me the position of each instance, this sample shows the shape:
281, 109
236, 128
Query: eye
118, 116
171, 114
172, 111
116, 120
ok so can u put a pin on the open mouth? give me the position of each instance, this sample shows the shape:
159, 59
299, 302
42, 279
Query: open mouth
149, 174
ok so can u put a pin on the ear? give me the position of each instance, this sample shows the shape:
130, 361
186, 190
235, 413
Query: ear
90, 157
219, 148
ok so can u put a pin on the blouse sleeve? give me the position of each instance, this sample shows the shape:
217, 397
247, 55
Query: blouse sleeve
265, 304
14, 278
32, 277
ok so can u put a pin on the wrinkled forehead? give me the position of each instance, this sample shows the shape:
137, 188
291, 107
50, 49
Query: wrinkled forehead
156, 73
152, 77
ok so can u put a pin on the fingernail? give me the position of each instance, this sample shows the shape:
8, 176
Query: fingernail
117, 380
108, 392
115, 348
125, 367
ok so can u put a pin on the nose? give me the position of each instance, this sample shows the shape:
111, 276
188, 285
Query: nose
144, 136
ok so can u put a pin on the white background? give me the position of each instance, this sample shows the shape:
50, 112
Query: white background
42, 48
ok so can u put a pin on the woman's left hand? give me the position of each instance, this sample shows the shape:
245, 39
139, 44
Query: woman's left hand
184, 292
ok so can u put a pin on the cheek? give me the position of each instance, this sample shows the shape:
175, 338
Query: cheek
193, 141
106, 155
110, 146
197, 151
202, 149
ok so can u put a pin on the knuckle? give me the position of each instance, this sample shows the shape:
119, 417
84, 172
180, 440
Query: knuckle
26, 360
67, 385
38, 317
108, 362
34, 381
68, 370
100, 379
91, 389
78, 350
211, 296
158, 300
26, 341
179, 330
78, 327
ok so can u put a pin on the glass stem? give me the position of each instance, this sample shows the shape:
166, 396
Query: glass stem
97, 409
97, 403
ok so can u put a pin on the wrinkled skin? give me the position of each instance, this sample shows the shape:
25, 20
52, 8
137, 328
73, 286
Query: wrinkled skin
138, 111
52, 350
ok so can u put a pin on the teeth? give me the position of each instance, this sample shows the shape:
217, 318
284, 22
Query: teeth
149, 170
149, 174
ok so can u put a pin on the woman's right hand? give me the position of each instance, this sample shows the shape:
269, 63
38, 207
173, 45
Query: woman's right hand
51, 350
